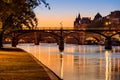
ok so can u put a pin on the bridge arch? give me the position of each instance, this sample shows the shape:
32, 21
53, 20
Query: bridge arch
91, 40
74, 36
81, 36
118, 33
39, 35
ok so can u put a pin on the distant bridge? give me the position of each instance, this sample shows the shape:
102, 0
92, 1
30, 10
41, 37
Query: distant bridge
60, 33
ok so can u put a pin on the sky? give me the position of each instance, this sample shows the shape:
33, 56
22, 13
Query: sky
65, 11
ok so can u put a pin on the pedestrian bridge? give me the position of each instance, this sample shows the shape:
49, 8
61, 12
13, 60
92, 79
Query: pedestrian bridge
72, 29
59, 33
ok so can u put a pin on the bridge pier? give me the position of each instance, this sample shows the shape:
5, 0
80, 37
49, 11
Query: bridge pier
108, 43
14, 42
61, 42
61, 45
36, 42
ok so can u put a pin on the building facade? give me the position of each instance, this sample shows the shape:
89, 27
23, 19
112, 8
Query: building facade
113, 19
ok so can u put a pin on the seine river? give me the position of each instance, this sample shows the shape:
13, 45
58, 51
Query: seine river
78, 62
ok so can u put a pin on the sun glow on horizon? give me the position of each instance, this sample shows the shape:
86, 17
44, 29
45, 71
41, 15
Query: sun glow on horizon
54, 23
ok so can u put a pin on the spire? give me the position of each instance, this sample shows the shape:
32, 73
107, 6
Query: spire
77, 20
79, 17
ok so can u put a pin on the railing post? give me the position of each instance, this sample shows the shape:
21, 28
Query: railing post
61, 41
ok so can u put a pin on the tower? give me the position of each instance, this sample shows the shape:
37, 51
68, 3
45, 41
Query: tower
77, 21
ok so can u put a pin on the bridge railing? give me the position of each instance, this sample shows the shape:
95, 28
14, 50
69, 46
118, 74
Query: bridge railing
72, 28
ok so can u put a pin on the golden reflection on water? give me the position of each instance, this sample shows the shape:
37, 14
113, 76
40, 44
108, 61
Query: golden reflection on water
101, 59
79, 62
108, 65
62, 63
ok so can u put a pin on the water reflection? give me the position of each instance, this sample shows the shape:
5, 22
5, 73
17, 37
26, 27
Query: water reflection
79, 62
62, 63
108, 65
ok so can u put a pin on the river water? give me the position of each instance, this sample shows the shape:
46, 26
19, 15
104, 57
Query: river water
78, 62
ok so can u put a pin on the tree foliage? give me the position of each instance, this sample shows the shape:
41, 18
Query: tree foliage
16, 14
14, 10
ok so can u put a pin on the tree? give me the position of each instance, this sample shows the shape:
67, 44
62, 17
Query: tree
15, 14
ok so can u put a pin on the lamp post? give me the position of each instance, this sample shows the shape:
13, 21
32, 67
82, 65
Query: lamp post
61, 39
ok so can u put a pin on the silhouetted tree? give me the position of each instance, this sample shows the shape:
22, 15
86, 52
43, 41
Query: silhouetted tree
16, 14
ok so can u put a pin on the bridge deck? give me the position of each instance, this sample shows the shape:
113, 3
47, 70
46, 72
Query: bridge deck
72, 29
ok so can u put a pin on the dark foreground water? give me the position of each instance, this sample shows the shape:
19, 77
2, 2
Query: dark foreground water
78, 62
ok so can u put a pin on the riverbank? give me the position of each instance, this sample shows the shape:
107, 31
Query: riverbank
16, 64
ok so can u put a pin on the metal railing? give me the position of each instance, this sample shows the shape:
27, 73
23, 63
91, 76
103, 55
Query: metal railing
71, 28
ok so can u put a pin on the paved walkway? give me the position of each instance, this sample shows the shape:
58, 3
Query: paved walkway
16, 64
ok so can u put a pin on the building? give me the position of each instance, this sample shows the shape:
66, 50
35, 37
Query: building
114, 18
85, 21
81, 22
97, 17
77, 21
